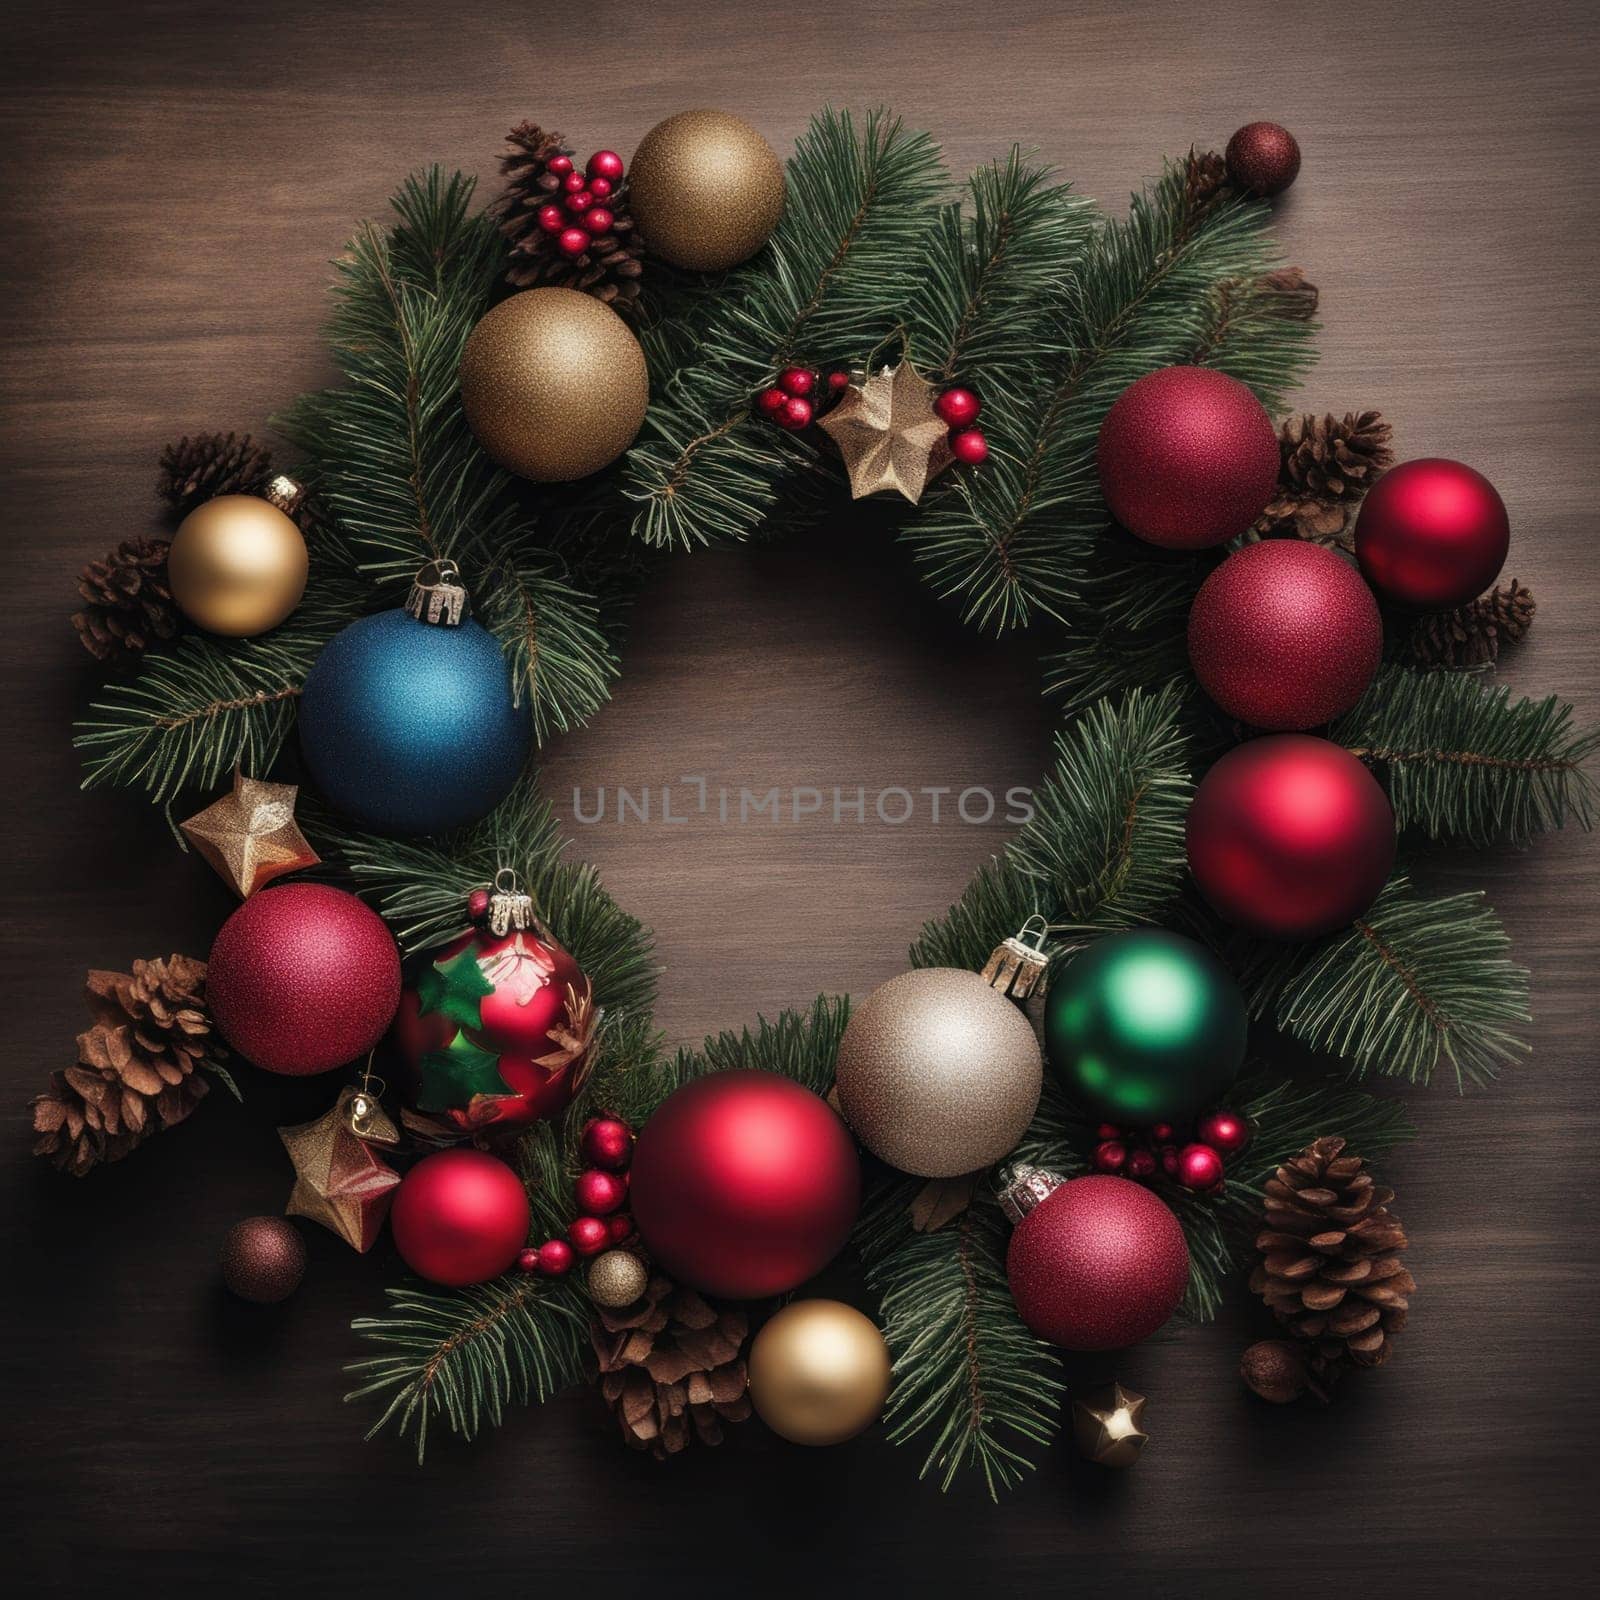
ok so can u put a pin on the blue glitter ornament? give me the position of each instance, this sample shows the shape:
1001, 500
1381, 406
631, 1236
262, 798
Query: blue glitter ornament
408, 726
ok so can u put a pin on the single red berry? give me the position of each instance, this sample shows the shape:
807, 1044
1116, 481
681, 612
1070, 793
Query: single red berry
598, 221
797, 380
599, 1193
607, 1142
589, 1235
605, 164
572, 241
1141, 1164
796, 414
1225, 1131
528, 1260
574, 183
560, 165
957, 408
578, 203
619, 1226
555, 1258
969, 446
1108, 1130
770, 402
1169, 1160
1199, 1168
1161, 1132
839, 381
600, 188
552, 218
1110, 1155
478, 905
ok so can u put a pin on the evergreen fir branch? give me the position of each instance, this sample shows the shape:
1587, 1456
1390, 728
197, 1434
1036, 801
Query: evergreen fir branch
1463, 761
798, 1045
993, 906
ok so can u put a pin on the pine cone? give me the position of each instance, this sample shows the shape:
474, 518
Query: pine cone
1205, 176
199, 469
672, 1367
609, 269
135, 1073
129, 604
1330, 1265
1472, 634
1326, 465
1290, 293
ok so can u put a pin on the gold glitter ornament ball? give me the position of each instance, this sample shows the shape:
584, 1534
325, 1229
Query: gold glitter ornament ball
617, 1278
705, 189
237, 566
939, 1074
554, 384
819, 1372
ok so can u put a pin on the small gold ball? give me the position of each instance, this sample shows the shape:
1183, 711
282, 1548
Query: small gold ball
819, 1372
705, 189
237, 566
617, 1278
554, 384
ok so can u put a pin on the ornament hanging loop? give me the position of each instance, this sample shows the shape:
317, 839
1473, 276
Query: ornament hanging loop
509, 906
437, 596
1017, 964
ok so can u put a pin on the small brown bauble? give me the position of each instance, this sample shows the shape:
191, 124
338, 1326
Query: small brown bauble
553, 384
237, 566
263, 1259
819, 1372
706, 190
1263, 158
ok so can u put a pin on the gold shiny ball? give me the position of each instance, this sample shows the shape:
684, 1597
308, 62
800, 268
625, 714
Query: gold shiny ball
939, 1074
617, 1278
554, 384
237, 566
819, 1372
705, 189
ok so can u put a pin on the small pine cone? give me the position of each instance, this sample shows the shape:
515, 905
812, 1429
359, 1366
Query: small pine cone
1326, 464
129, 604
1472, 634
672, 1367
1330, 1267
136, 1069
199, 469
1289, 294
1205, 177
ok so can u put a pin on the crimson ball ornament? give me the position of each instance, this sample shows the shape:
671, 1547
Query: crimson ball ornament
1097, 1263
744, 1184
1432, 534
303, 978
1285, 635
1263, 158
1188, 457
459, 1217
1290, 837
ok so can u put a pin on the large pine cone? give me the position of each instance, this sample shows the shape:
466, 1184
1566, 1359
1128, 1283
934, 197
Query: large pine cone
1326, 465
672, 1367
199, 469
1330, 1265
129, 605
135, 1073
1472, 634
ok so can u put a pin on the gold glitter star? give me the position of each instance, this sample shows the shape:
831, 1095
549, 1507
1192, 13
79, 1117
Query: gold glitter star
889, 434
340, 1180
1106, 1425
250, 836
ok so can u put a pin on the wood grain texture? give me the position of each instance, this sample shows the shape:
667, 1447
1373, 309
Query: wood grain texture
177, 176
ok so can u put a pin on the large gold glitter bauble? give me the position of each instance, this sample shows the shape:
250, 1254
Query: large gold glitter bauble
553, 384
705, 189
938, 1073
237, 565
819, 1372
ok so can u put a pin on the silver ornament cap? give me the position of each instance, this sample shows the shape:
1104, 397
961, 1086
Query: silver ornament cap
1022, 1187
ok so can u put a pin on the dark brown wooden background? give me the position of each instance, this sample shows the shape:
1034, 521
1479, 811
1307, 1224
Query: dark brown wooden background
175, 178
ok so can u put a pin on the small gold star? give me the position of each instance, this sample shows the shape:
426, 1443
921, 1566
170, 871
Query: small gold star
889, 434
340, 1180
250, 836
1106, 1425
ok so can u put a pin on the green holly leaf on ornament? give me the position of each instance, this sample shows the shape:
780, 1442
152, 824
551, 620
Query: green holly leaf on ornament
453, 1076
455, 988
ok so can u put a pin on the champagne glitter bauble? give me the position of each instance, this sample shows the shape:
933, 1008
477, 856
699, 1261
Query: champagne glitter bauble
705, 189
553, 384
938, 1073
263, 1259
1285, 635
819, 1372
1144, 1027
459, 1216
237, 565
616, 1278
1290, 837
744, 1184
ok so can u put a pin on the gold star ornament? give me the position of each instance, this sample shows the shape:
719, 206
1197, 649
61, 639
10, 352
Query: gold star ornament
1106, 1426
340, 1180
250, 836
889, 434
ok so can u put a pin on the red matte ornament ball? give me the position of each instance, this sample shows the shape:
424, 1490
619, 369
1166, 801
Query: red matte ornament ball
795, 413
605, 164
588, 1235
572, 241
555, 1258
744, 1184
599, 1193
552, 218
1188, 457
1290, 836
598, 221
1110, 1155
957, 408
303, 978
459, 1217
1199, 1168
607, 1142
574, 182
1225, 1131
1285, 635
1263, 158
969, 447
559, 165
600, 188
1098, 1264
1432, 534
797, 380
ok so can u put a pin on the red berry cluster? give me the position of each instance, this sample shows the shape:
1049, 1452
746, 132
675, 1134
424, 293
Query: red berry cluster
582, 214
958, 409
601, 1190
1195, 1163
793, 402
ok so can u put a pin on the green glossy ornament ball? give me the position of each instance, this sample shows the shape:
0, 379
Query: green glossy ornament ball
1144, 1027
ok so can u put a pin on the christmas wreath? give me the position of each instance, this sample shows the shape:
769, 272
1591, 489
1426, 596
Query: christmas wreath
1268, 647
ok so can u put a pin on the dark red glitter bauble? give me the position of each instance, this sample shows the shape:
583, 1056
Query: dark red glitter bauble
1098, 1264
1290, 837
1285, 635
303, 978
459, 1216
263, 1259
1263, 158
1188, 457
